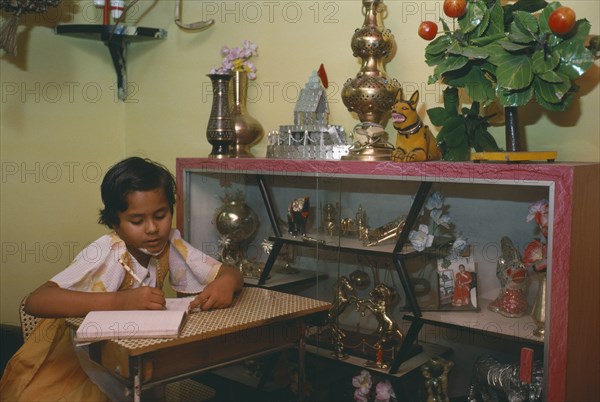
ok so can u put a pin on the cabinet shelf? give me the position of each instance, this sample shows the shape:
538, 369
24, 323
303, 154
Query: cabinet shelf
347, 244
485, 322
116, 38
278, 279
429, 350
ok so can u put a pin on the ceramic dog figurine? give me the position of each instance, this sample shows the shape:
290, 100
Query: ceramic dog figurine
414, 142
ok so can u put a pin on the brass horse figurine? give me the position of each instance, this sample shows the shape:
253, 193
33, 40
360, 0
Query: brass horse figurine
414, 142
380, 299
379, 303
344, 295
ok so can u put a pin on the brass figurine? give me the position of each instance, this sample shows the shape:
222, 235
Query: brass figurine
436, 373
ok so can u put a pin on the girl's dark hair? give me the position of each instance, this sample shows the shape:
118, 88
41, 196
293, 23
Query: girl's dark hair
132, 174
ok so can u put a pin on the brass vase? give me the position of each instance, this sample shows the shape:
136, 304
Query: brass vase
220, 132
371, 93
248, 130
538, 313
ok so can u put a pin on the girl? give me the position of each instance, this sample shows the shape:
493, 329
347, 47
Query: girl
138, 197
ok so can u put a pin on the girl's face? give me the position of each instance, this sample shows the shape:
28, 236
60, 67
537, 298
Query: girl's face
145, 224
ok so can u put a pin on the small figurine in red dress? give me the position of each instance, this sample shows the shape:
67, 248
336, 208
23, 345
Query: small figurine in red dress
462, 287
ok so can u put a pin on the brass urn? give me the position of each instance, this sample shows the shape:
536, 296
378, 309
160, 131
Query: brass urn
371, 93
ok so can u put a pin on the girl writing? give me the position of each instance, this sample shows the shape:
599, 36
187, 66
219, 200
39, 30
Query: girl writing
123, 270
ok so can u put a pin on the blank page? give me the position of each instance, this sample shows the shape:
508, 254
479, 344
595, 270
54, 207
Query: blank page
99, 325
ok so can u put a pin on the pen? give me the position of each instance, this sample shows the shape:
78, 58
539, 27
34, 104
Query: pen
128, 269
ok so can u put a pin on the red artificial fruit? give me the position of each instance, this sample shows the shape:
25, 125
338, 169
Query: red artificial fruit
562, 20
455, 8
428, 30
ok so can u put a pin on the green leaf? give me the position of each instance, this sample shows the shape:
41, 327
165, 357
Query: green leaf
474, 110
495, 52
472, 52
486, 40
473, 17
458, 153
544, 15
575, 58
526, 22
557, 107
530, 6
439, 45
485, 22
455, 48
496, 26
541, 62
574, 61
551, 92
511, 46
551, 76
445, 26
438, 116
434, 60
514, 98
432, 79
453, 133
451, 63
483, 141
580, 32
514, 72
473, 79
519, 35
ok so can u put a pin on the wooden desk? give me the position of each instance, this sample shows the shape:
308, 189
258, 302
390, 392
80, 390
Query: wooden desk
260, 321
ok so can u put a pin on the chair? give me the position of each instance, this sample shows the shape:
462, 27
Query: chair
28, 322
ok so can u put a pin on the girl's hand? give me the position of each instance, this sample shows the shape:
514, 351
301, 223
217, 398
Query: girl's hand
142, 298
214, 295
219, 293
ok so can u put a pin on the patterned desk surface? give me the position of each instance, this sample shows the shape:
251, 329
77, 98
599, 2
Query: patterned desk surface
253, 307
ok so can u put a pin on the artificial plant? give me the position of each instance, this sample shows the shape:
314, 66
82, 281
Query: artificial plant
463, 129
510, 55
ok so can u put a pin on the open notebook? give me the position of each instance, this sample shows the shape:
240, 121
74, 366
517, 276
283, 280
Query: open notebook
99, 325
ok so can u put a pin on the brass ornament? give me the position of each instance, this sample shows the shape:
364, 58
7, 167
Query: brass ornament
371, 93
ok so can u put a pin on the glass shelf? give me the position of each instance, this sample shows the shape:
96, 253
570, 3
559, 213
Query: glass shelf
116, 37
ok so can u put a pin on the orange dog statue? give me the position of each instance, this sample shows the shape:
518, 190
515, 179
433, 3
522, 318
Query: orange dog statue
414, 142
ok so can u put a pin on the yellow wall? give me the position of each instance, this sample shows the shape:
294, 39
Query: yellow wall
61, 127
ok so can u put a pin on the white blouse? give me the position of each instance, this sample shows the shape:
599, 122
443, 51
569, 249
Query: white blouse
97, 269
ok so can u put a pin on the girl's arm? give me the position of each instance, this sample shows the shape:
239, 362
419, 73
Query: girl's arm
219, 293
52, 301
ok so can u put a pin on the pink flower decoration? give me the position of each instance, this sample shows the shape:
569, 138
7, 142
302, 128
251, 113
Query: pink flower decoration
384, 391
535, 255
538, 211
237, 59
363, 382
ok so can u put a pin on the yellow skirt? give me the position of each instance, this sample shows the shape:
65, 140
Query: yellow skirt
46, 368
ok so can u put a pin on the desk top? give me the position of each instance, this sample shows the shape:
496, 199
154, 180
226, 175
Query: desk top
252, 307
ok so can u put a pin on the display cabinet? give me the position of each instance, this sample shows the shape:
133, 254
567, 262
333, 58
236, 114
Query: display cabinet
301, 225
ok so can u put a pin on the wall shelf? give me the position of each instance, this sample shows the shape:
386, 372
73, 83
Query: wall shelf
116, 38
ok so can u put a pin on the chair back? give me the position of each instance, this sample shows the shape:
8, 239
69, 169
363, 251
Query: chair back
28, 322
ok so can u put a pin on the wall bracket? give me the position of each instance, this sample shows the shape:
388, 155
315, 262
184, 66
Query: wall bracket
117, 39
